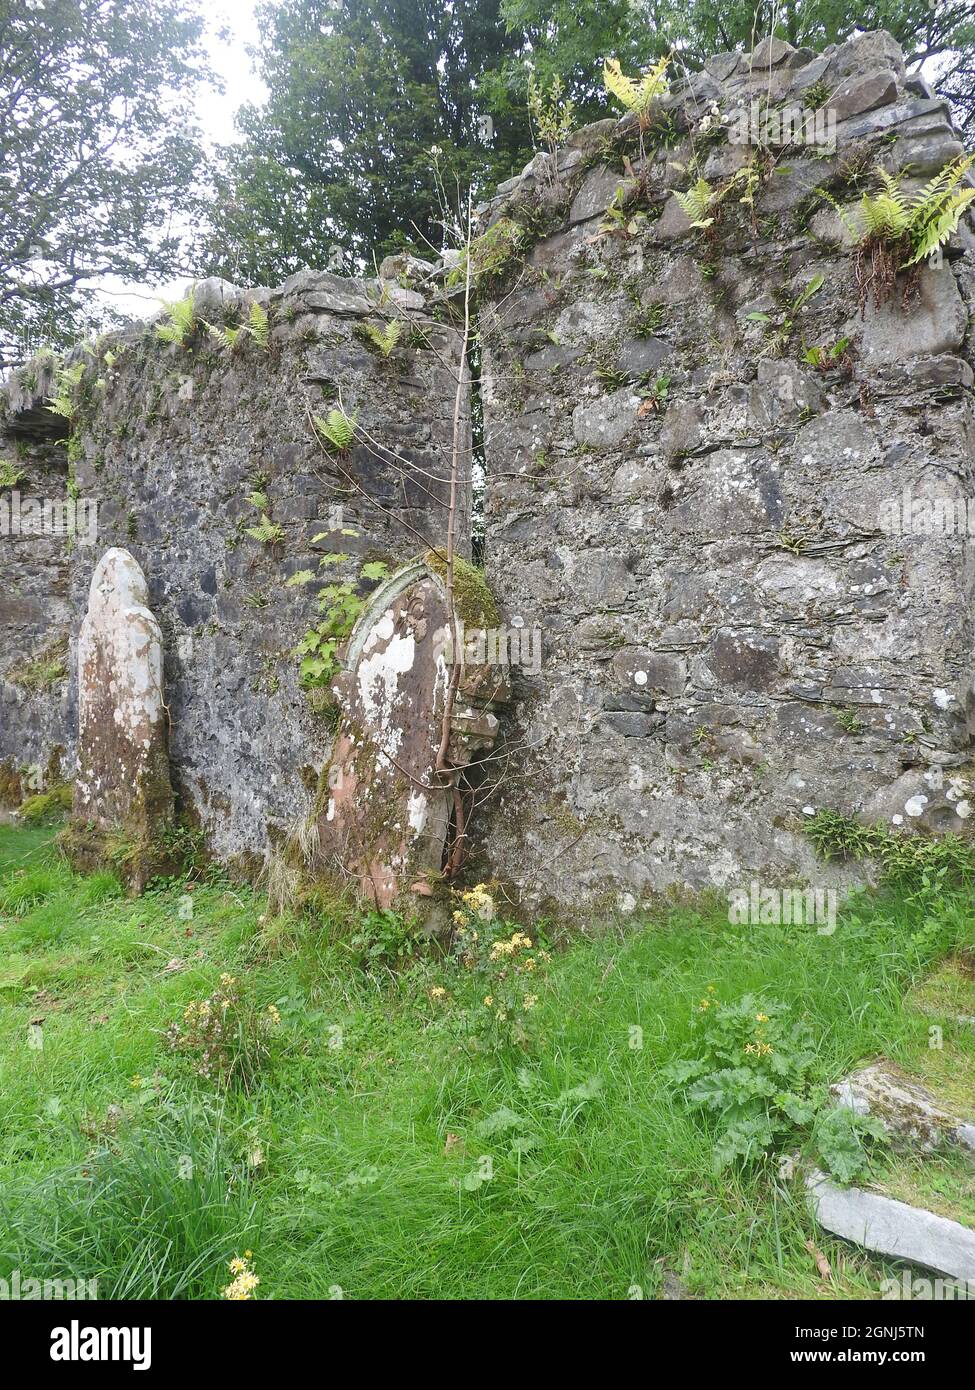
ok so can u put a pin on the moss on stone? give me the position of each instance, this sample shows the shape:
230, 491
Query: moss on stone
473, 600
46, 807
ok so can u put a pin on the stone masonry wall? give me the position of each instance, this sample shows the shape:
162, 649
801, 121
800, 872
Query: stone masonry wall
682, 499
689, 509
172, 443
35, 608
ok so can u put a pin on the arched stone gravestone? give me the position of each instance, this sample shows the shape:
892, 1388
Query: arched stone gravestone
123, 786
389, 815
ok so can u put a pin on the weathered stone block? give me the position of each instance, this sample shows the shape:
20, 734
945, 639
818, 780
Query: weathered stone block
123, 783
856, 95
933, 323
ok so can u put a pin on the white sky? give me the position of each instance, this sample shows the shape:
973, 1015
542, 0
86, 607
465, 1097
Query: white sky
215, 114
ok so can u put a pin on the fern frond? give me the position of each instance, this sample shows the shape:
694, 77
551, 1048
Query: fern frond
927, 218
936, 232
636, 94
224, 337
337, 429
66, 383
258, 325
696, 201
385, 339
267, 531
936, 189
179, 323
616, 82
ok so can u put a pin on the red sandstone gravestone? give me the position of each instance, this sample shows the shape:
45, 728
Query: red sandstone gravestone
388, 814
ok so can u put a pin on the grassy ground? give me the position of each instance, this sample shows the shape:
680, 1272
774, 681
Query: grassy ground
356, 1161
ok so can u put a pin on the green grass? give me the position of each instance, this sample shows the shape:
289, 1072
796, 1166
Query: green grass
356, 1164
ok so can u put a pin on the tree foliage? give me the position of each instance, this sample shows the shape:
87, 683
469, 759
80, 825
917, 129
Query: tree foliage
571, 39
336, 167
97, 157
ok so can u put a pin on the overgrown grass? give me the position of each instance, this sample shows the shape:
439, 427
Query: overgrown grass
382, 1152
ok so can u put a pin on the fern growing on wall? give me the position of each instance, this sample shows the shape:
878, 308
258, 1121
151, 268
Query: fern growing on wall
179, 322
64, 402
384, 340
336, 429
696, 201
258, 326
894, 230
266, 531
637, 94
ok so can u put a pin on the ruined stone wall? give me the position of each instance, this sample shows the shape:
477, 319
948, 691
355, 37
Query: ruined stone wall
172, 439
692, 438
689, 510
35, 609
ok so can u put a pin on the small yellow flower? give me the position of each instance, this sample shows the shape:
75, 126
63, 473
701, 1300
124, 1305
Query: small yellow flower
488, 1001
704, 1005
530, 963
136, 1082
761, 1018
531, 1000
437, 992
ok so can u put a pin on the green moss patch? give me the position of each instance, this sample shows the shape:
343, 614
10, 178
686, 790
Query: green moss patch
47, 807
475, 604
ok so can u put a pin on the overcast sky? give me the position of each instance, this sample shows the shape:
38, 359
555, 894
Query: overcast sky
215, 113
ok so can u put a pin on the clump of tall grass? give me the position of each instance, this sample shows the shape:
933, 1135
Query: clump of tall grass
157, 1213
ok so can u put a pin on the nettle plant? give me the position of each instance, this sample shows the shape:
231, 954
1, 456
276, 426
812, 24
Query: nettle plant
894, 230
752, 1069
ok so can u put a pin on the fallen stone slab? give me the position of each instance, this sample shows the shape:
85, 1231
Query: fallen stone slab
907, 1111
892, 1228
